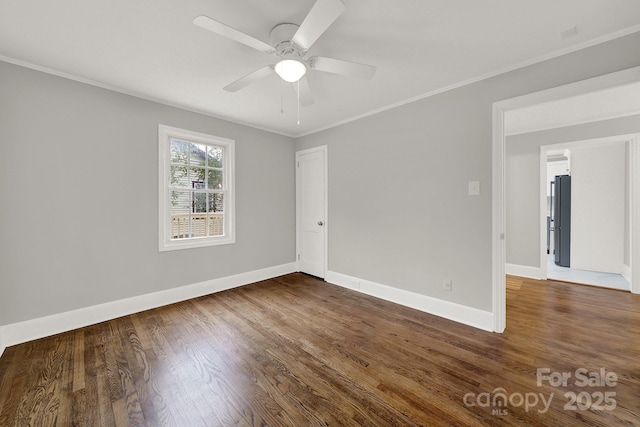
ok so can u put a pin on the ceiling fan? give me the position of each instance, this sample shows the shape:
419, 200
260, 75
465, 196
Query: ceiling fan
290, 42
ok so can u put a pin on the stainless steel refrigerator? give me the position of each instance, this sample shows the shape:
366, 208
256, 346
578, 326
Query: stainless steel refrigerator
562, 220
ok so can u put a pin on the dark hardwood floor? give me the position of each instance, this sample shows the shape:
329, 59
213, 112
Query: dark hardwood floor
295, 351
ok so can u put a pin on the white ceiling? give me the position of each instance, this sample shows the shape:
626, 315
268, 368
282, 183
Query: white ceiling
150, 48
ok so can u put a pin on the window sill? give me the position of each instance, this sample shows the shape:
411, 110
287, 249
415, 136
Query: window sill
195, 243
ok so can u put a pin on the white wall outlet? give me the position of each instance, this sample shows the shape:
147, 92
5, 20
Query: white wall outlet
447, 285
474, 188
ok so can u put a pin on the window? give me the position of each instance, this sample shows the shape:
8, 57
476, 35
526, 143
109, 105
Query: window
196, 197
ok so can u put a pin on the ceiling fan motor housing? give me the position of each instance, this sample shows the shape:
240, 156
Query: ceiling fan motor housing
280, 38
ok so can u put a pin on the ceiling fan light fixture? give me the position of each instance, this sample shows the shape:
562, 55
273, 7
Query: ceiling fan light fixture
290, 70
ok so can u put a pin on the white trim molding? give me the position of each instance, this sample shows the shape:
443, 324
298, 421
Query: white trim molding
523, 271
634, 268
543, 273
498, 222
41, 327
2, 342
626, 272
458, 313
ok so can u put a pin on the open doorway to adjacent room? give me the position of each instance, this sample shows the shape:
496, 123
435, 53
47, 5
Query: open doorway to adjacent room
591, 243
600, 107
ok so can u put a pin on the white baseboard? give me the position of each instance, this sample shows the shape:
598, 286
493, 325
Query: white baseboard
2, 342
459, 313
523, 271
29, 330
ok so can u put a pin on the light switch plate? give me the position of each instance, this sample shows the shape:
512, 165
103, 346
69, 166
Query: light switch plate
474, 188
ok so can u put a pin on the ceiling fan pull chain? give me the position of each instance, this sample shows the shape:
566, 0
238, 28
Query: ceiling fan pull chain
282, 96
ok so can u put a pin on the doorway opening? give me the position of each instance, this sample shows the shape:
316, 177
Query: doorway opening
598, 226
622, 81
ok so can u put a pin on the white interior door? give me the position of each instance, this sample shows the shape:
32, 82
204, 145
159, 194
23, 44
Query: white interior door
311, 210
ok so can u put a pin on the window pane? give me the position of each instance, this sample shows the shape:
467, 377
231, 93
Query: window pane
179, 177
179, 151
216, 202
198, 154
199, 225
198, 214
215, 157
180, 202
216, 215
180, 209
199, 202
214, 179
197, 178
216, 224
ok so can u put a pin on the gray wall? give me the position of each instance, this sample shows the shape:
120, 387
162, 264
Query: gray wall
523, 182
79, 204
399, 213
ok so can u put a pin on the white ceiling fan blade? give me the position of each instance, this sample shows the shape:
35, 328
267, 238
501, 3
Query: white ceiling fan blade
345, 68
306, 98
231, 33
320, 17
249, 78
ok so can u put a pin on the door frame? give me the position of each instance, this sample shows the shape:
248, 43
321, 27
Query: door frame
632, 139
498, 215
324, 150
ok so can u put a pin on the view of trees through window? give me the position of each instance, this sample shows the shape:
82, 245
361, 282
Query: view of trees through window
197, 189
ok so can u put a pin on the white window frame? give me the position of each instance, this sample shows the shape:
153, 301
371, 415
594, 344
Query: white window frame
165, 243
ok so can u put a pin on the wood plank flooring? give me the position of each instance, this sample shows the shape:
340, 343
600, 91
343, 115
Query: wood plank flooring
296, 351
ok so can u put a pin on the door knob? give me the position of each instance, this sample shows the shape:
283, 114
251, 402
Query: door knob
320, 223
